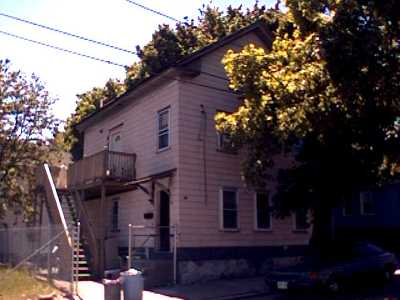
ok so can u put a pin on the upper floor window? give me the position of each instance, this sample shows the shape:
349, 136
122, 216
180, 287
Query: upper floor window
300, 217
224, 140
229, 209
263, 211
163, 129
367, 203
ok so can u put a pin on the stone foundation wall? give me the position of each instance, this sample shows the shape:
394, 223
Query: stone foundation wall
203, 269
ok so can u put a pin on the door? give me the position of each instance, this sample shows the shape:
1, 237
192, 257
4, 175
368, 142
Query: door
115, 142
114, 145
164, 222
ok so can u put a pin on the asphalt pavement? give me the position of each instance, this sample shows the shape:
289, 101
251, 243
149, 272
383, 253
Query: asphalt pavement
361, 291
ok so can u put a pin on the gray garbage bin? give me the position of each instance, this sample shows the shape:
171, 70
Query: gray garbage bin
112, 289
132, 284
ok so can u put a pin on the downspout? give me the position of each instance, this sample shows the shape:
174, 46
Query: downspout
202, 137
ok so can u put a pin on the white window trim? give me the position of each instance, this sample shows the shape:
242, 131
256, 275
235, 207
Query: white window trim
294, 222
256, 228
168, 109
362, 210
221, 209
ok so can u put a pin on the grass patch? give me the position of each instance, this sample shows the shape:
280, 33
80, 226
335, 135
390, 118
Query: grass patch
21, 285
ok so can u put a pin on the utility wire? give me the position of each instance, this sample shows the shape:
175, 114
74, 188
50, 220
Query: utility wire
63, 49
66, 33
152, 10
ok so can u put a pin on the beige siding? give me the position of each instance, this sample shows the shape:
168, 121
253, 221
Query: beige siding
132, 207
194, 207
139, 130
200, 215
139, 136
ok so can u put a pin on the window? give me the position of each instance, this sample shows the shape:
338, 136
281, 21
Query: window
114, 216
163, 129
224, 141
229, 209
347, 207
262, 211
301, 219
367, 203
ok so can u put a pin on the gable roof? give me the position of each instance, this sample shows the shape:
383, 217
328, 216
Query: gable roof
259, 28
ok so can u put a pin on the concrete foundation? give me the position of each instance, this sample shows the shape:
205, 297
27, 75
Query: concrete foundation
200, 271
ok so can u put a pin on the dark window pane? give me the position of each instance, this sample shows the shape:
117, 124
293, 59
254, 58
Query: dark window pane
263, 220
230, 219
115, 212
263, 211
163, 120
301, 219
229, 199
163, 140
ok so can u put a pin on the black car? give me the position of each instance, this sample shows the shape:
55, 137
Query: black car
336, 267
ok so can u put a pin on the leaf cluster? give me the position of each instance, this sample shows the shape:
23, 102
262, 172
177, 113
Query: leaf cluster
26, 124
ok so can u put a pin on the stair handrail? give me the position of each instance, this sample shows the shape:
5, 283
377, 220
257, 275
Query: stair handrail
54, 194
87, 228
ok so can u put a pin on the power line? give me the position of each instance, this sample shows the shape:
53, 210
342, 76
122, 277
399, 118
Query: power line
152, 10
66, 33
63, 49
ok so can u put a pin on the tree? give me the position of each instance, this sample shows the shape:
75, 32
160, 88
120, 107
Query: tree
328, 93
167, 46
26, 124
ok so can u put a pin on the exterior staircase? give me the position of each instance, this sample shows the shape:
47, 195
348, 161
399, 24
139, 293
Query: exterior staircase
81, 269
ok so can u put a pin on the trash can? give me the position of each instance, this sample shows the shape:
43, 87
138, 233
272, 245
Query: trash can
132, 284
112, 289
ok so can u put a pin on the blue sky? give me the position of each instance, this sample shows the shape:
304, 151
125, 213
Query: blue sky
116, 22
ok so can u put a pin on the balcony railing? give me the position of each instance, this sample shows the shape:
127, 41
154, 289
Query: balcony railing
103, 166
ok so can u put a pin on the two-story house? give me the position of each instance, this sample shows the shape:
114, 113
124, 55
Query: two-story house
153, 158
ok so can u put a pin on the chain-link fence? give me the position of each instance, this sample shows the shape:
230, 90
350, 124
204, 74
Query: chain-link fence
153, 250
43, 254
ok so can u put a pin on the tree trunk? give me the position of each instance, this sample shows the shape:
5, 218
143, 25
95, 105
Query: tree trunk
322, 234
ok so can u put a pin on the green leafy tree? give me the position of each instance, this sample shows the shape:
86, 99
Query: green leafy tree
26, 124
328, 94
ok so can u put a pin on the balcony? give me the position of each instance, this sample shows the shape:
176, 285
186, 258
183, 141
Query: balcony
106, 167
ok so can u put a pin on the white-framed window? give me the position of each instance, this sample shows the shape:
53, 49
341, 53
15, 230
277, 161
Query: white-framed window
262, 211
367, 203
224, 141
300, 219
115, 215
229, 209
163, 125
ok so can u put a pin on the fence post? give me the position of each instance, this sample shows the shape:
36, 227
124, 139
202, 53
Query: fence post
130, 247
175, 254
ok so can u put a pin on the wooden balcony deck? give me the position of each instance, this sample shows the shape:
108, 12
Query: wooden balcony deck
108, 167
